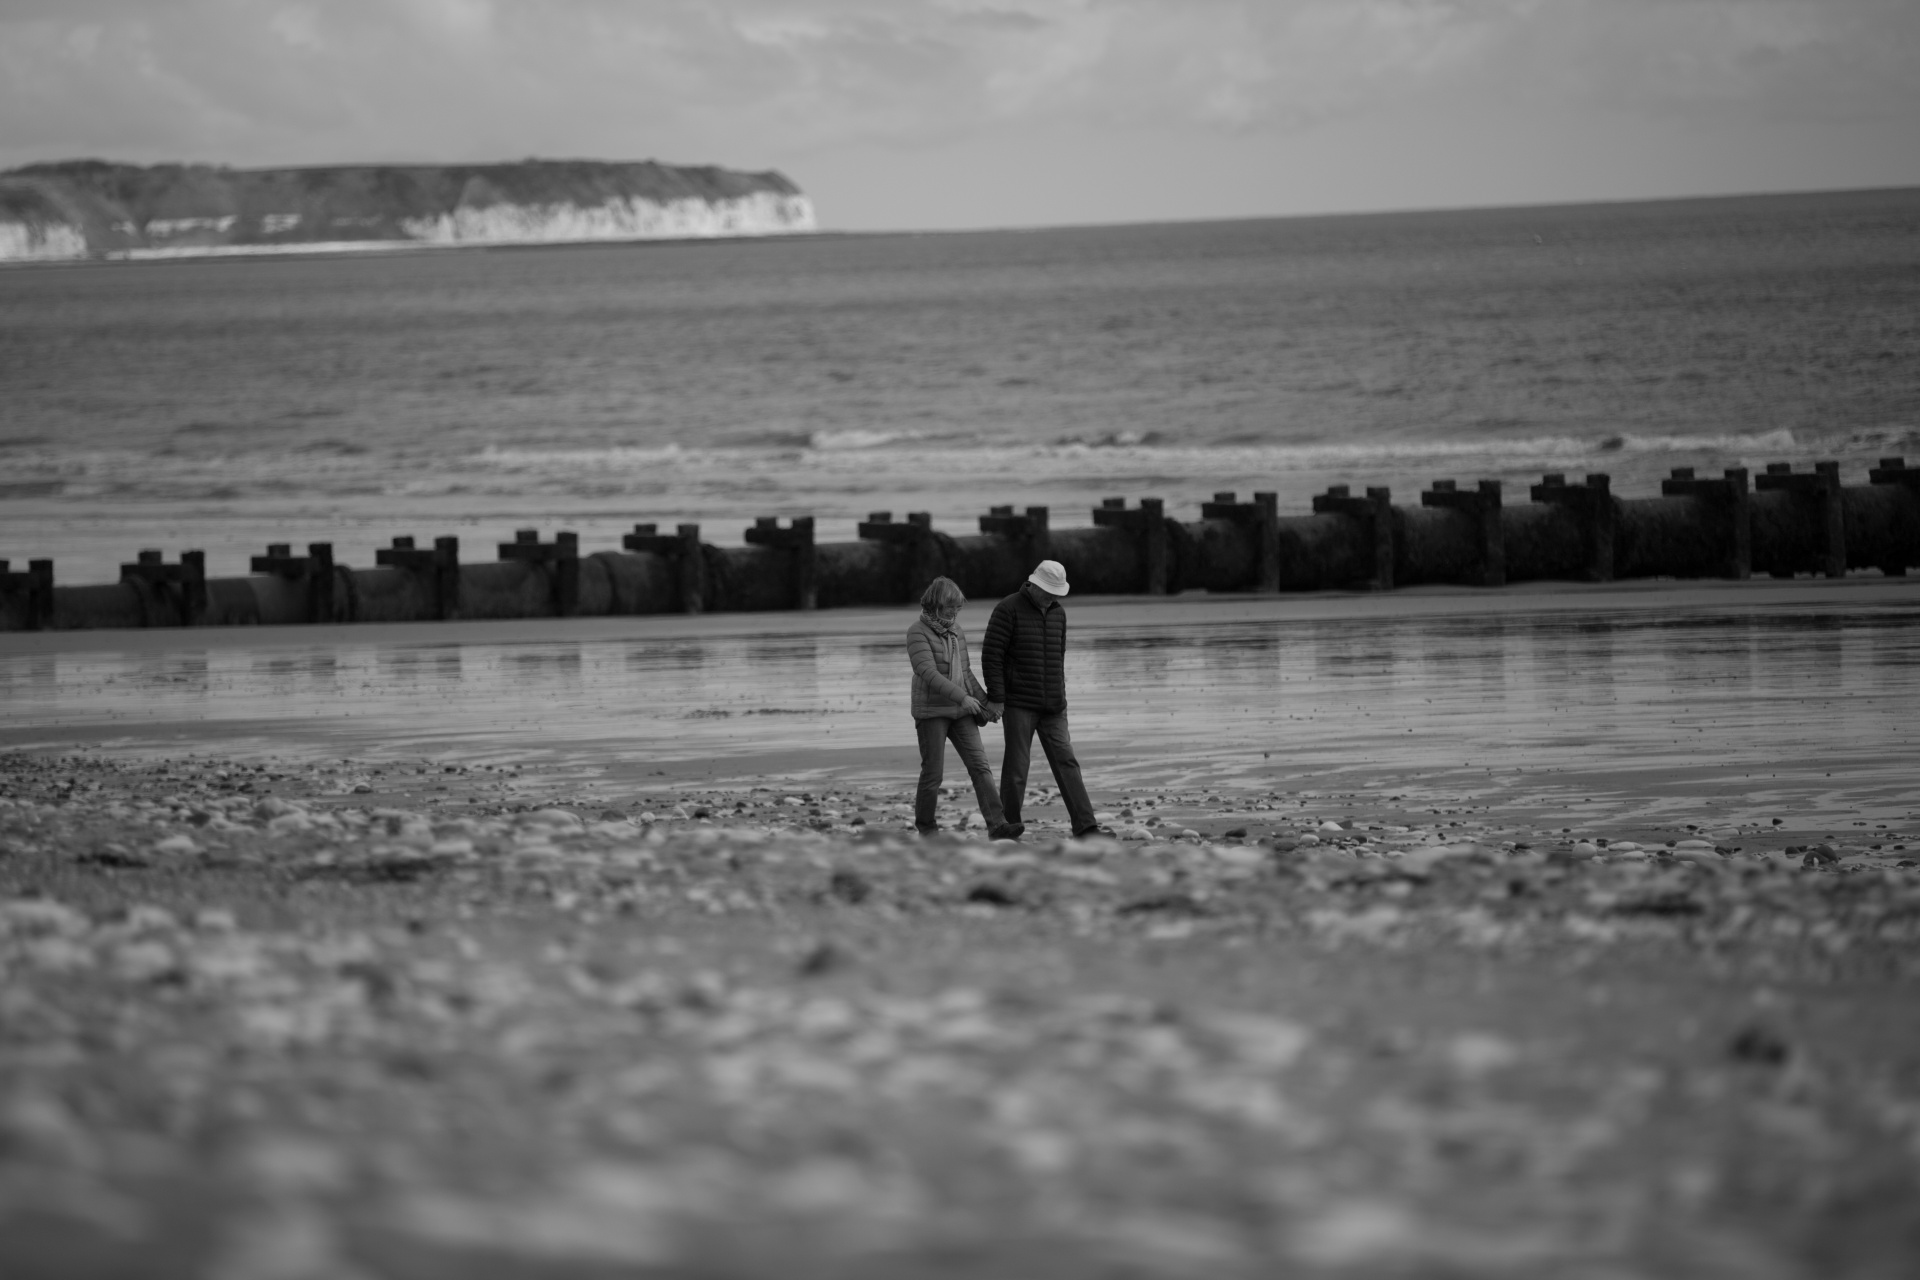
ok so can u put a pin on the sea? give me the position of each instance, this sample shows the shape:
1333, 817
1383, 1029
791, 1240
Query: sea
222, 405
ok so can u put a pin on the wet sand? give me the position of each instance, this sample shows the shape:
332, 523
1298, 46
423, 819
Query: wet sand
1631, 706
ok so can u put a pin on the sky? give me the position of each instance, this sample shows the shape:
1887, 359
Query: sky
939, 114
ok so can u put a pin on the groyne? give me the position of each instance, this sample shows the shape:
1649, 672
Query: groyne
1779, 522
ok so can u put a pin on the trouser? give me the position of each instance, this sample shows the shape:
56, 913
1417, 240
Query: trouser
1020, 725
935, 733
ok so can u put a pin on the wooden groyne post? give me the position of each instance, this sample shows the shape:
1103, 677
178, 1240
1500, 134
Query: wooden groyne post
1781, 522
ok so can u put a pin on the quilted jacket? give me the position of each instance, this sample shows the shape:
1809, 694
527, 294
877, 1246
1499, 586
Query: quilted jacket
1025, 653
942, 675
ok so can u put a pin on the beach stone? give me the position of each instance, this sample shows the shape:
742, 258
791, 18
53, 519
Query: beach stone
39, 917
289, 823
1759, 1045
1694, 844
57, 955
177, 844
556, 818
1332, 828
849, 886
144, 961
1475, 1053
215, 920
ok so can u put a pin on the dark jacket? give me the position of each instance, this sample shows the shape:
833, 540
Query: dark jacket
1024, 656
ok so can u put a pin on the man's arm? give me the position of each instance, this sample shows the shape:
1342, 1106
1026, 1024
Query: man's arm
993, 652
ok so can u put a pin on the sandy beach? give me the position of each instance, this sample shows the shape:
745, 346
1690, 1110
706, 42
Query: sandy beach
590, 948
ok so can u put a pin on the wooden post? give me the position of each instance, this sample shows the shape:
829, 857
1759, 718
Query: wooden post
1895, 471
1375, 515
35, 589
559, 559
682, 548
440, 566
920, 559
797, 540
1821, 488
182, 585
1593, 506
1030, 531
1261, 519
314, 570
1148, 525
1482, 507
1731, 503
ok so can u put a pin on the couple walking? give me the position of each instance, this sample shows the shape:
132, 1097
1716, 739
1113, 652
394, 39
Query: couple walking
1024, 658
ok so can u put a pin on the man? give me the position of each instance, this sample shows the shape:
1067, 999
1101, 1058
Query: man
1024, 658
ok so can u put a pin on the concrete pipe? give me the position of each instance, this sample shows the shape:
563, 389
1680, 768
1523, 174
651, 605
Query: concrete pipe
634, 583
1215, 555
1323, 552
752, 579
280, 602
848, 574
392, 595
89, 608
989, 567
1435, 545
231, 602
506, 589
1674, 537
1544, 541
1100, 561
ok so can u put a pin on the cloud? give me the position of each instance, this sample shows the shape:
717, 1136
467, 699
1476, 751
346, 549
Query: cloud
759, 81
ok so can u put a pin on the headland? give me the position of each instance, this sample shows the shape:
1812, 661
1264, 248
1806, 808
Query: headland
91, 209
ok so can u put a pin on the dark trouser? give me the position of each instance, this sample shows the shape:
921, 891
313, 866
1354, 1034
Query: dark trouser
934, 735
1020, 726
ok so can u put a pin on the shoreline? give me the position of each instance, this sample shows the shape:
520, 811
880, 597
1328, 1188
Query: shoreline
1091, 611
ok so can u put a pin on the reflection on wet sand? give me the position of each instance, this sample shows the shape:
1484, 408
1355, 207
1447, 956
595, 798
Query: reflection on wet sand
1585, 713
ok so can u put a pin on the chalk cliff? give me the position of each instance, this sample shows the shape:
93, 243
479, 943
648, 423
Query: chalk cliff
92, 209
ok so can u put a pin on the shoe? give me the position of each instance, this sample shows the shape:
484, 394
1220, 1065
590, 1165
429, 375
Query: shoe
926, 833
1091, 832
1007, 831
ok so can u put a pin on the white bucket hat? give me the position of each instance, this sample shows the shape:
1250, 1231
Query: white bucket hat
1050, 576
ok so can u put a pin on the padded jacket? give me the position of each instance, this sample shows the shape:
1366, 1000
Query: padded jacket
942, 676
1025, 653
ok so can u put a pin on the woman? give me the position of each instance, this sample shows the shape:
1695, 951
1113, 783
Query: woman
949, 705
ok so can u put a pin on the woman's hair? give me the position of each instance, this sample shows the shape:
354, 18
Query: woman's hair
942, 593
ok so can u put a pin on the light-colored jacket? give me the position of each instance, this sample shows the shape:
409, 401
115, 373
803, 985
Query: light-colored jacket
942, 676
